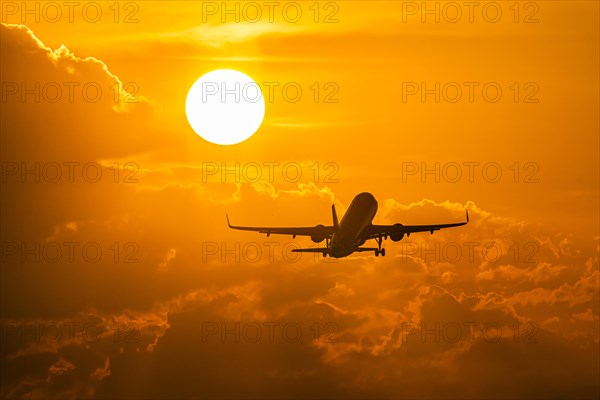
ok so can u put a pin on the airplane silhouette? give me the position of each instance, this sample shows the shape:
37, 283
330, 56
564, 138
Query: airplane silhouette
356, 227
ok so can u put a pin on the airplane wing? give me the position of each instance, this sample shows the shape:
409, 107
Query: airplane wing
319, 231
374, 231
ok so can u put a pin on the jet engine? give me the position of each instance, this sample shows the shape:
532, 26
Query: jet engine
319, 235
397, 236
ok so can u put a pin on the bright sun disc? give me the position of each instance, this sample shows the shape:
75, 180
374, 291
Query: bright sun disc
225, 106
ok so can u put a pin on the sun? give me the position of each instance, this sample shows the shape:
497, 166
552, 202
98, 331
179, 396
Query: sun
225, 106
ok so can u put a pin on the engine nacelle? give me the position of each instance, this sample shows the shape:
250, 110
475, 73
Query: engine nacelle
319, 235
397, 236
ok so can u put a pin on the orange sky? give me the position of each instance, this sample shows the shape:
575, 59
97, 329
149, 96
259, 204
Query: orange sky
164, 208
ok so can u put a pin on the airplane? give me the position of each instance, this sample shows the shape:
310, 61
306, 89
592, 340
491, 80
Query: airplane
346, 237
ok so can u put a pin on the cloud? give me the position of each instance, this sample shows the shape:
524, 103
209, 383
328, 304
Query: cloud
83, 111
382, 329
20, 37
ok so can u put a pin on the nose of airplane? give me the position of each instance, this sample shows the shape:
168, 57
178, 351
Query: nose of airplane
366, 201
366, 195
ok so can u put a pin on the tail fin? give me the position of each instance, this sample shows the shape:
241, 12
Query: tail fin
336, 224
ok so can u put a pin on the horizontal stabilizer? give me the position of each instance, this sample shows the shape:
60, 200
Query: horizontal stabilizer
312, 250
367, 249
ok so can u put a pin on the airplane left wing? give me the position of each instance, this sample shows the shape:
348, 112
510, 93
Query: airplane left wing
375, 231
319, 231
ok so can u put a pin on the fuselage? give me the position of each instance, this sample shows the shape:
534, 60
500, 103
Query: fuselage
359, 215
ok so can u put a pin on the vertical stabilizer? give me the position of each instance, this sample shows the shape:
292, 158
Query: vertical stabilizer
336, 224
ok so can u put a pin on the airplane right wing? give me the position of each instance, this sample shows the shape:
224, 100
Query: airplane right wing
318, 232
374, 231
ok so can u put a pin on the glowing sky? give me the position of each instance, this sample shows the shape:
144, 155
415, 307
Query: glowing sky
131, 178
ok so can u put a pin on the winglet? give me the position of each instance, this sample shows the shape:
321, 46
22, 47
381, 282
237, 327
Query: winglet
467, 211
228, 224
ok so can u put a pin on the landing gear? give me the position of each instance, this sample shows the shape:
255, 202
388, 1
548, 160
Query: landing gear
327, 242
379, 249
